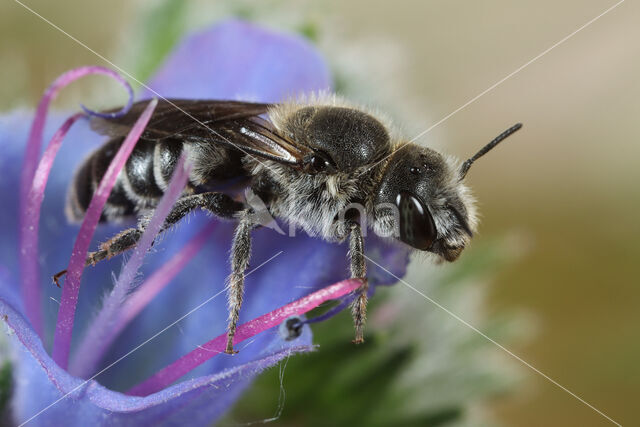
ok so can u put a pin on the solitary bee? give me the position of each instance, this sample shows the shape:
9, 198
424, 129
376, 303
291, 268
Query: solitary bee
321, 165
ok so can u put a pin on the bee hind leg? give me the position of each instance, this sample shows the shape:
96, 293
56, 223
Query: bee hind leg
358, 271
219, 204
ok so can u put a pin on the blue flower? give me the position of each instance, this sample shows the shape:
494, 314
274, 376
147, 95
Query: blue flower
233, 60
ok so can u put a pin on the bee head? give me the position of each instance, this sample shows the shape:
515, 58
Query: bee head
434, 211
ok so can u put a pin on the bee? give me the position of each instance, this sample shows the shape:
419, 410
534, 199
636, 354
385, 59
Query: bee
321, 164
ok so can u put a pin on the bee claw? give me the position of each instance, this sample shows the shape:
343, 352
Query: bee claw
57, 276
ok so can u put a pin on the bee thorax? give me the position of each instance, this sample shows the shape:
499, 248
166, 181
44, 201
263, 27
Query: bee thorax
315, 204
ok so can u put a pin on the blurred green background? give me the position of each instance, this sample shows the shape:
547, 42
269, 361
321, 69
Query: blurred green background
561, 198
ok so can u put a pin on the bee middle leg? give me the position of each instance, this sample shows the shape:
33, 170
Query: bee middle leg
219, 204
358, 267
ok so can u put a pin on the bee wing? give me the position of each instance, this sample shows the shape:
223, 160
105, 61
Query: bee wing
233, 123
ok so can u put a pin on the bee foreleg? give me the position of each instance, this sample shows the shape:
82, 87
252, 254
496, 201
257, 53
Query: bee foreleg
358, 271
240, 254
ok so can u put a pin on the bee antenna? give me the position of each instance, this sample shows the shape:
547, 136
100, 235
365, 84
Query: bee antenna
484, 150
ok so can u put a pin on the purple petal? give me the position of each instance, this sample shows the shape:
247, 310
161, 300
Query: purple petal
47, 395
238, 60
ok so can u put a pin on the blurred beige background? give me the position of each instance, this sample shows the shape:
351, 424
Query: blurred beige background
565, 186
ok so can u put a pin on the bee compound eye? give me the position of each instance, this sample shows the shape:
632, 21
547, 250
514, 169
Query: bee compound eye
417, 228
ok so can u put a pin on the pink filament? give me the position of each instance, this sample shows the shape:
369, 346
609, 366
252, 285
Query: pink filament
100, 334
167, 375
151, 287
31, 194
31, 224
66, 313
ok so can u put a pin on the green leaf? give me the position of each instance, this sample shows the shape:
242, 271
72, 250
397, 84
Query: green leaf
5, 388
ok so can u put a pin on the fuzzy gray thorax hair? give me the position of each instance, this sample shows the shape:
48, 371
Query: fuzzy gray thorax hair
314, 203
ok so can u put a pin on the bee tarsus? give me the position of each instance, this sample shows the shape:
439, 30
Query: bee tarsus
358, 267
219, 204
58, 276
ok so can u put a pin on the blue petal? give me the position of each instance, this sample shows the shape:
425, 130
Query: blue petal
238, 60
232, 60
45, 395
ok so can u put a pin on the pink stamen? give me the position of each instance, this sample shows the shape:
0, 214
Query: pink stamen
171, 373
71, 288
151, 287
30, 202
100, 334
31, 295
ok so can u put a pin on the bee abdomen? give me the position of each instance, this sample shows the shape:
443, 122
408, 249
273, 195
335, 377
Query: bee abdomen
139, 185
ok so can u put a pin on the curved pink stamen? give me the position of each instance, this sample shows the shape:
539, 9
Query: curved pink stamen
100, 334
31, 194
30, 217
151, 287
171, 373
71, 288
